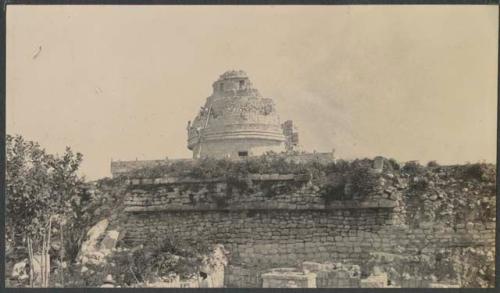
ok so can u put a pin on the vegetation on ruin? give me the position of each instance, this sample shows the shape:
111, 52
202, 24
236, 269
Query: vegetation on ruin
50, 209
450, 194
358, 172
339, 180
44, 194
466, 265
97, 200
207, 168
161, 256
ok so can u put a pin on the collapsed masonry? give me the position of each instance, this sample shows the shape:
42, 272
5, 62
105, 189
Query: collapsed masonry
420, 227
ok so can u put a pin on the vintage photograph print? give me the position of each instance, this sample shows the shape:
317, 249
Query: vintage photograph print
261, 146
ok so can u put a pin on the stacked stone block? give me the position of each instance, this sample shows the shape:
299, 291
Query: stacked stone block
288, 278
264, 231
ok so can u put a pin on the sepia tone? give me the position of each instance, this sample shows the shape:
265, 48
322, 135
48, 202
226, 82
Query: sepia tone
379, 78
364, 156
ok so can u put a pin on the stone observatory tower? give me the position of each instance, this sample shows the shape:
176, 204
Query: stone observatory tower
236, 121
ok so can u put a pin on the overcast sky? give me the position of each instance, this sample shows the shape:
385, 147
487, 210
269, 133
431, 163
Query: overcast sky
121, 82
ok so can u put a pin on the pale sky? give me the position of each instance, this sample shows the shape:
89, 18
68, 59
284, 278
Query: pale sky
121, 82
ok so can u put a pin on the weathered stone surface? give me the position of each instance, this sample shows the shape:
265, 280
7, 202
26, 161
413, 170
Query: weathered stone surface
209, 193
379, 281
20, 271
262, 230
334, 275
440, 285
99, 243
235, 121
287, 278
214, 266
109, 241
90, 244
378, 164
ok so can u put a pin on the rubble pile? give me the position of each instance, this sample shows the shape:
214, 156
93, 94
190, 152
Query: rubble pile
455, 200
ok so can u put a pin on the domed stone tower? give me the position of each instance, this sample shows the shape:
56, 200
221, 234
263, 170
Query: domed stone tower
236, 121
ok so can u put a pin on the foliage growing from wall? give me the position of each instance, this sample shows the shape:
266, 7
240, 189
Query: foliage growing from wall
363, 178
350, 179
451, 194
467, 266
413, 168
480, 171
432, 164
161, 256
269, 163
332, 178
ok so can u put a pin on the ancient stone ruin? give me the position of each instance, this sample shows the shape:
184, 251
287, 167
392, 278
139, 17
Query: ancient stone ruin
235, 122
381, 226
403, 233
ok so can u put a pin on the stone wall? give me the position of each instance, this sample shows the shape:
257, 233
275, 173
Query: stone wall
118, 168
271, 221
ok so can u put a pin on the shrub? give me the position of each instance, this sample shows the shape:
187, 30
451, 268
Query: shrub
331, 192
364, 181
413, 168
161, 256
480, 171
215, 168
273, 188
432, 164
358, 173
392, 165
166, 254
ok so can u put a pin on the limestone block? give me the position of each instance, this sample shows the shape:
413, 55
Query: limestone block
167, 283
274, 176
109, 240
286, 278
287, 177
90, 244
374, 281
302, 177
440, 285
191, 283
309, 266
19, 270
214, 268
378, 163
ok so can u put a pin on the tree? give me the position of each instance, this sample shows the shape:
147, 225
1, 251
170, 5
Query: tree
40, 189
